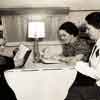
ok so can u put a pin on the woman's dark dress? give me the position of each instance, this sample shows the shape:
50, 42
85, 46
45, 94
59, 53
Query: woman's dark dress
6, 93
84, 87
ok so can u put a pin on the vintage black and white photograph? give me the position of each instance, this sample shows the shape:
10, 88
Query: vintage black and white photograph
49, 50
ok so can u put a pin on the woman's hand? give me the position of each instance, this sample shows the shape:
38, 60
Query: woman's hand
79, 57
71, 59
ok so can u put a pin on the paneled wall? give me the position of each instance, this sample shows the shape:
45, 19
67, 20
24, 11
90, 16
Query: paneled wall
16, 26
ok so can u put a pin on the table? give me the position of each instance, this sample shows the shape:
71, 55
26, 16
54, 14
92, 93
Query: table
41, 82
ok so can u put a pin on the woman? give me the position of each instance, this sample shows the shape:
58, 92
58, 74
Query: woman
84, 86
74, 47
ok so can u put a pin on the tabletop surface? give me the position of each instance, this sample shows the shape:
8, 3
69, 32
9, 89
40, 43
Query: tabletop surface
41, 66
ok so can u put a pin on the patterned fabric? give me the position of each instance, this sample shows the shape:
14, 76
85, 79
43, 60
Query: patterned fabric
81, 46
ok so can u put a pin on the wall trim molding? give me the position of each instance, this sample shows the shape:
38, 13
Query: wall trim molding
84, 10
34, 10
14, 44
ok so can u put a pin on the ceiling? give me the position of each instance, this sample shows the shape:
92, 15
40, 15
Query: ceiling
73, 4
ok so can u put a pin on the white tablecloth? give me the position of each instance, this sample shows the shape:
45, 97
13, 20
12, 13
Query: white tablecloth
40, 83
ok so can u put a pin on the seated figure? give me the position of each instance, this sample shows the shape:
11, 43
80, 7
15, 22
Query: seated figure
73, 47
84, 87
10, 60
6, 62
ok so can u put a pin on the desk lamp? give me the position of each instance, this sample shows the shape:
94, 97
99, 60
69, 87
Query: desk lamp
36, 30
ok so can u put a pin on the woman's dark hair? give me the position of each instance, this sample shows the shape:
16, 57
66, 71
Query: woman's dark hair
93, 19
70, 28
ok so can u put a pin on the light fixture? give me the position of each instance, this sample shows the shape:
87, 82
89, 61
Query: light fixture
36, 30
